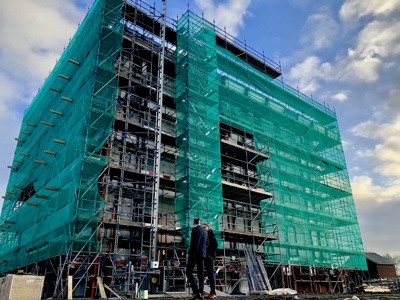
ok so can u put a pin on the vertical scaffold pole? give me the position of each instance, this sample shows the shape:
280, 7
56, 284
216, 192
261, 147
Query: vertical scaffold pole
157, 147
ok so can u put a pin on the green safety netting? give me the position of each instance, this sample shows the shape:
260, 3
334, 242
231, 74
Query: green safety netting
317, 220
315, 209
198, 166
52, 203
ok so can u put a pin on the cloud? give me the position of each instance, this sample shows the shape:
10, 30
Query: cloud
379, 39
372, 203
363, 69
353, 10
33, 40
377, 45
33, 35
375, 50
320, 31
307, 74
386, 137
369, 194
229, 14
340, 97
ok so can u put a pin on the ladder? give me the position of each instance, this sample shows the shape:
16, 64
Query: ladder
175, 275
157, 149
257, 275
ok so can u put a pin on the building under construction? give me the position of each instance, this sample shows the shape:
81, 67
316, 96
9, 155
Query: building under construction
148, 122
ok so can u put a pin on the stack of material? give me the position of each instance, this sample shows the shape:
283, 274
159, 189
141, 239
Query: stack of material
27, 287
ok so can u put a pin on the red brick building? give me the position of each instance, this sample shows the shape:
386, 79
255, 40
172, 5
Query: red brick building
380, 267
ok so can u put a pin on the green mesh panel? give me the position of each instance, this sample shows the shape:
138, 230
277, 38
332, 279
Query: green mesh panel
317, 219
198, 167
57, 160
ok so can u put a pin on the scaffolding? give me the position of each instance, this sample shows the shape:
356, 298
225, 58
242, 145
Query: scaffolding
316, 214
146, 123
198, 167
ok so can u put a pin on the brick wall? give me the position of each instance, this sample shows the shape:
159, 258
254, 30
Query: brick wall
385, 271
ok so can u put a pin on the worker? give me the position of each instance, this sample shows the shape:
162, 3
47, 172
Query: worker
212, 246
197, 253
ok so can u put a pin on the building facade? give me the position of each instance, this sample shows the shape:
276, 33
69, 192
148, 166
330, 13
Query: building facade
146, 123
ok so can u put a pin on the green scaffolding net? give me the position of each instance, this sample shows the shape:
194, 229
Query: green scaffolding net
316, 216
52, 203
317, 219
198, 167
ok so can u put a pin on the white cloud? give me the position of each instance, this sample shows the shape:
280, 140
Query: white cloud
229, 14
377, 44
384, 155
379, 39
378, 209
352, 10
340, 97
32, 40
307, 74
366, 192
360, 70
320, 31
375, 49
376, 131
33, 35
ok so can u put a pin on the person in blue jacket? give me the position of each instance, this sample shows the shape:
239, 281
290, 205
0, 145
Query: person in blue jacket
197, 254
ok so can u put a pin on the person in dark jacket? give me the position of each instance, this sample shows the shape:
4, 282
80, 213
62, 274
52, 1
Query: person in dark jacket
197, 253
212, 246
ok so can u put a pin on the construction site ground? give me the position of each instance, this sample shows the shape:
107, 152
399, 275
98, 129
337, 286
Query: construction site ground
360, 296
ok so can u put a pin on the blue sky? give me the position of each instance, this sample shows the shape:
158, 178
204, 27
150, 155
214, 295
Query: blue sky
345, 53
